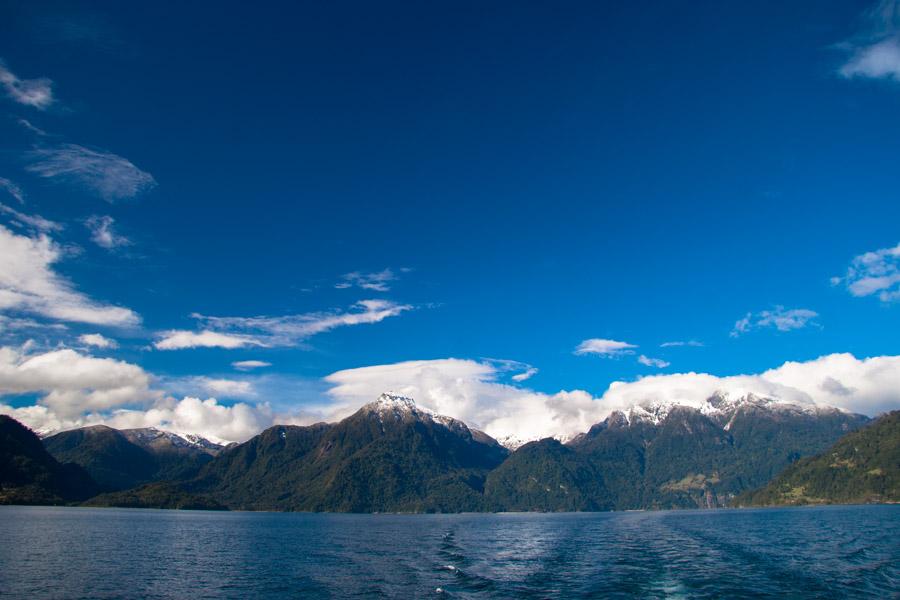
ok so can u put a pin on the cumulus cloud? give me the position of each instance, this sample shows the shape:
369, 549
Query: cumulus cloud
780, 318
874, 52
653, 362
249, 365
288, 330
470, 391
103, 233
71, 383
876, 272
12, 189
83, 390
36, 93
209, 418
467, 390
29, 284
110, 176
604, 347
869, 386
33, 222
377, 282
97, 340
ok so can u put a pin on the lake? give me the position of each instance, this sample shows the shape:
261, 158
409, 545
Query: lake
825, 552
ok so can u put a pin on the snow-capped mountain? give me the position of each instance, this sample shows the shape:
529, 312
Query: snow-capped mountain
160, 439
395, 408
722, 407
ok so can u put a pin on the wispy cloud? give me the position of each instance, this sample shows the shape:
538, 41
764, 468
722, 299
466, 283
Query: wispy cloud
780, 318
875, 49
653, 362
31, 127
216, 386
377, 282
603, 347
37, 93
526, 374
288, 330
103, 234
676, 344
12, 189
110, 176
876, 272
249, 365
29, 284
34, 222
180, 339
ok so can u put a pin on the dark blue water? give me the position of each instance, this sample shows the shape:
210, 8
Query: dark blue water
831, 552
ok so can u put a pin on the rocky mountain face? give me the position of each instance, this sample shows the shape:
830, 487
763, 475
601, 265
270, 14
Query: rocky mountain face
395, 456
30, 475
862, 467
122, 459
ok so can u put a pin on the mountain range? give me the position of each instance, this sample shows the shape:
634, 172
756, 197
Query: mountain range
395, 456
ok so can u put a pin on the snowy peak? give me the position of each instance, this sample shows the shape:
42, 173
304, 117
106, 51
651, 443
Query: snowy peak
160, 440
721, 405
395, 408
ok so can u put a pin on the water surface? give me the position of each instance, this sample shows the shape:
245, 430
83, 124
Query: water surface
828, 552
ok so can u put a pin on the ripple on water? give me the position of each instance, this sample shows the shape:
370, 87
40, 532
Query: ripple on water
833, 552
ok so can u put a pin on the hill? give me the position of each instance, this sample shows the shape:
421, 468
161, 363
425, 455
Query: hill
862, 467
30, 475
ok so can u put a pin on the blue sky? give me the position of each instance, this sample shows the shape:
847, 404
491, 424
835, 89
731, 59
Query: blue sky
506, 182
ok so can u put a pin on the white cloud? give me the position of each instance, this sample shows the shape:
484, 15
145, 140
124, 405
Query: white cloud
73, 383
653, 362
83, 390
103, 234
875, 50
110, 176
526, 374
33, 222
177, 339
37, 93
470, 391
604, 347
878, 61
218, 387
28, 283
288, 330
868, 386
14, 190
97, 340
249, 365
874, 272
780, 318
378, 281
466, 390
208, 418
675, 344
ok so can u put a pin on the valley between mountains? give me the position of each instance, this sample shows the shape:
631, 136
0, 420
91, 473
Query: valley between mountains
395, 456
